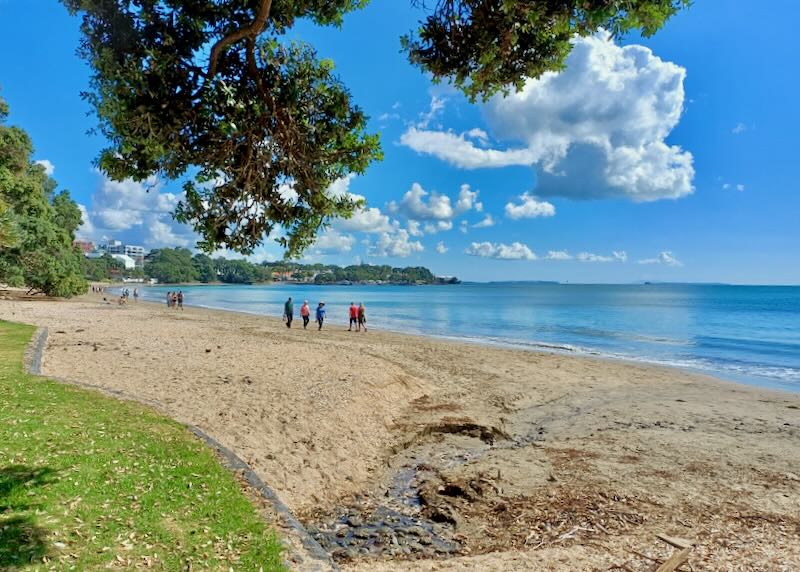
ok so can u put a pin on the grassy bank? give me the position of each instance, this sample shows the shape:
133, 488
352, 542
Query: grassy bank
88, 482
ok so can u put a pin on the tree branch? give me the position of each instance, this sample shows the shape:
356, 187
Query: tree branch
251, 31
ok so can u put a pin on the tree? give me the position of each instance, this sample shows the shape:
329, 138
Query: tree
236, 271
204, 267
102, 269
258, 127
170, 265
37, 226
490, 46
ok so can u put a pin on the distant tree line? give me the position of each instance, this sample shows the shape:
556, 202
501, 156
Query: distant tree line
37, 222
175, 265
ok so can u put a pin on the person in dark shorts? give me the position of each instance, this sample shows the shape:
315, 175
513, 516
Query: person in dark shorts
305, 313
180, 299
321, 314
362, 317
288, 312
353, 316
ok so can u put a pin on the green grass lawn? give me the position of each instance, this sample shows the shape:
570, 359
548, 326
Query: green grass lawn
88, 482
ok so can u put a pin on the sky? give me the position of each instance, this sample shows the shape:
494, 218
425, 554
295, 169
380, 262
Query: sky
669, 158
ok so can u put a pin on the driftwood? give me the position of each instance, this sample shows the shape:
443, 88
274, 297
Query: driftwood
674, 561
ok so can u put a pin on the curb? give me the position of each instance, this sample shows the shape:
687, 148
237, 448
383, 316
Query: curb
231, 461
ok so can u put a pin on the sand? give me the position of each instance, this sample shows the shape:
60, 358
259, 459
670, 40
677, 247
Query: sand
525, 460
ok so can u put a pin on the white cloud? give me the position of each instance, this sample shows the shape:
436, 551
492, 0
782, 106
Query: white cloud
463, 226
467, 200
665, 257
558, 255
727, 186
438, 226
514, 251
49, 168
485, 223
529, 208
161, 234
86, 230
478, 134
435, 108
332, 241
414, 205
441, 248
414, 228
396, 244
740, 128
595, 130
617, 256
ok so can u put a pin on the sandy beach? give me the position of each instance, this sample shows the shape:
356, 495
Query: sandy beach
406, 453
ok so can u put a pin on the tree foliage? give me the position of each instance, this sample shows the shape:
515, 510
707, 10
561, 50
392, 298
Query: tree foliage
102, 269
261, 117
170, 265
37, 225
211, 92
487, 46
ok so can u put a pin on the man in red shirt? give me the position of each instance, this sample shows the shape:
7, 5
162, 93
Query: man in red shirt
353, 316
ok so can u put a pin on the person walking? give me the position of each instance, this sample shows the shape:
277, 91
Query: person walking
353, 316
362, 317
288, 312
135, 294
305, 312
180, 299
169, 299
320, 314
174, 299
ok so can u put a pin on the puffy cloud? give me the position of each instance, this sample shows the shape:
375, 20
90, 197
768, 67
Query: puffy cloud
616, 256
514, 251
485, 223
49, 168
665, 257
467, 200
530, 207
438, 226
332, 241
86, 230
595, 130
558, 255
396, 244
139, 211
414, 205
441, 248
414, 228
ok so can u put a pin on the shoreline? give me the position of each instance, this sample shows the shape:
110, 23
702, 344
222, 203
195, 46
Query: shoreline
399, 451
547, 348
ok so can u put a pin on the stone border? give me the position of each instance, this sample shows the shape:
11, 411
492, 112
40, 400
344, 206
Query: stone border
231, 461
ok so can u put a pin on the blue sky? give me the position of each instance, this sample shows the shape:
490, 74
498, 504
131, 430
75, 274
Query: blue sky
668, 158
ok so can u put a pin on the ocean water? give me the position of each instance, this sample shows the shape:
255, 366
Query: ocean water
749, 334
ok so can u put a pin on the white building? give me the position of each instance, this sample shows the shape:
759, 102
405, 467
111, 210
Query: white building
132, 250
129, 262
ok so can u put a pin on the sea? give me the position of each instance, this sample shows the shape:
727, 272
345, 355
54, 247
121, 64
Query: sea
748, 334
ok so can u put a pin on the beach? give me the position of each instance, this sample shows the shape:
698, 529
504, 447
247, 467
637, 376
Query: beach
402, 452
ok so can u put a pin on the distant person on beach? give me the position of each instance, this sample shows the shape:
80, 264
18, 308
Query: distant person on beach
362, 317
288, 312
169, 299
353, 316
174, 299
321, 314
305, 312
135, 295
180, 299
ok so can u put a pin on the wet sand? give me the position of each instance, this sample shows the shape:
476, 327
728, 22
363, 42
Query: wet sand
407, 453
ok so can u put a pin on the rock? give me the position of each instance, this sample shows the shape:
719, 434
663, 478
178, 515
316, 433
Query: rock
355, 520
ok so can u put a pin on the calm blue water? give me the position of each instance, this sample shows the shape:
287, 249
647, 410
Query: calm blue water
745, 333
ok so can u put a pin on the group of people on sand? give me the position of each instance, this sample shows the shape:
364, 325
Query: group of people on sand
175, 299
358, 315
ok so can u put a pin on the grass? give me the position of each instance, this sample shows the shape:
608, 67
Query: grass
88, 482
